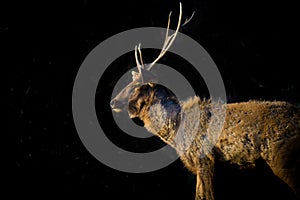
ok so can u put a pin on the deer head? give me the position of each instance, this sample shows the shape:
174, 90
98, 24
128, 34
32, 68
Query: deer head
144, 74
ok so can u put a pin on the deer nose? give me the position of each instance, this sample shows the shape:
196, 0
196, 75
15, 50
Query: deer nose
113, 103
116, 105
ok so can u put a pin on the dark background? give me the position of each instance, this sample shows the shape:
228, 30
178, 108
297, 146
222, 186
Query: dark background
252, 42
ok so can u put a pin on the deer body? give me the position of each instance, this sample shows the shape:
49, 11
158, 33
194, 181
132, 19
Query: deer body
252, 130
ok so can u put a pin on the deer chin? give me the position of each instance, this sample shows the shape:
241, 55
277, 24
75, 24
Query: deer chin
132, 116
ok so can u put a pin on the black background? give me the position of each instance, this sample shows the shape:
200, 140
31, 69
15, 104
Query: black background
252, 42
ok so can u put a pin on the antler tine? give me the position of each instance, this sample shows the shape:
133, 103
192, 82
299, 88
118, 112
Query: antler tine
139, 66
136, 58
141, 58
167, 32
168, 40
188, 20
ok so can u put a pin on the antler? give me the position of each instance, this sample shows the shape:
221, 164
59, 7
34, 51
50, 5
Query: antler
169, 39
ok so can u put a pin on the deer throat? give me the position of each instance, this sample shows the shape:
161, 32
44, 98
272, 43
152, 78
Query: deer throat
163, 120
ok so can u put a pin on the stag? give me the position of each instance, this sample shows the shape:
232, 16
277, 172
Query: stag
268, 130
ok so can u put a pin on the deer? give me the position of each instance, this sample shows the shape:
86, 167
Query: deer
267, 130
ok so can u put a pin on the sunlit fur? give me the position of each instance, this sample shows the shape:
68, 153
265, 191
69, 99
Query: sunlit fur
252, 130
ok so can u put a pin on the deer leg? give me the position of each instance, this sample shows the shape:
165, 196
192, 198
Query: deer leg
286, 164
204, 187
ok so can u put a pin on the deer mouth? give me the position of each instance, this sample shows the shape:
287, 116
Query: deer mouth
117, 110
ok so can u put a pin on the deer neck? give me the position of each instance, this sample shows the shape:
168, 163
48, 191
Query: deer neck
163, 120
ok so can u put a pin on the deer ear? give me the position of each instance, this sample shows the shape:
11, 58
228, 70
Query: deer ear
134, 75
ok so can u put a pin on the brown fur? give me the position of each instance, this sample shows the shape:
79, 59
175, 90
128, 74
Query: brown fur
252, 130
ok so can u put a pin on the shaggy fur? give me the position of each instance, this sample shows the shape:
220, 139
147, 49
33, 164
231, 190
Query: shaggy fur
252, 130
